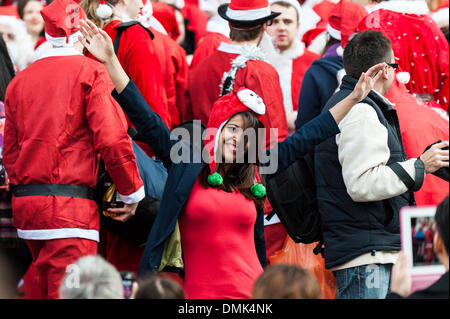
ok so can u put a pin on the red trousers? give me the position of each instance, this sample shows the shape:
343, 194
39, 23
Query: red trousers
51, 257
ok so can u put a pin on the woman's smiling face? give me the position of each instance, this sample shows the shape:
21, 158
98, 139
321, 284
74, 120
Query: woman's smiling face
232, 140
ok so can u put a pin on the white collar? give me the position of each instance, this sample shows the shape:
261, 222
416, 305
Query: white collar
60, 51
230, 48
297, 49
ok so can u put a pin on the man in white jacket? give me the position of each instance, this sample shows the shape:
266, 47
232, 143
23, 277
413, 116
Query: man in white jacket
363, 177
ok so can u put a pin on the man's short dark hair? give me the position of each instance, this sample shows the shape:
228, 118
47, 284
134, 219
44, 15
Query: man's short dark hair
441, 218
287, 5
365, 50
243, 34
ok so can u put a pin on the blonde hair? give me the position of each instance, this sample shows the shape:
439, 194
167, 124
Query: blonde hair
90, 7
286, 282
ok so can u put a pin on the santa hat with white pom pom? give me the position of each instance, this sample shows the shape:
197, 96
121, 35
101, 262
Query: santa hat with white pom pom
223, 110
104, 10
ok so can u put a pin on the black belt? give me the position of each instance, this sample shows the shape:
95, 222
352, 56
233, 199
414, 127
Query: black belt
65, 190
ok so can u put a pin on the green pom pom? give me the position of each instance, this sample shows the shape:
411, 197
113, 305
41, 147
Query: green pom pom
215, 179
258, 190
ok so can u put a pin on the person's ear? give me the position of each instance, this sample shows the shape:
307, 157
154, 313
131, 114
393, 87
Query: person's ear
438, 244
385, 71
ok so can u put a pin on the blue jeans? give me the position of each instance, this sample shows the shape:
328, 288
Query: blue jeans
363, 282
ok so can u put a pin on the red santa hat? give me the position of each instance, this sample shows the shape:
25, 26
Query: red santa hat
62, 22
104, 10
419, 46
223, 110
247, 13
343, 21
165, 14
9, 11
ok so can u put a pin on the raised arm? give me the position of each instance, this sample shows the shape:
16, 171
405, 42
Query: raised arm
325, 125
148, 123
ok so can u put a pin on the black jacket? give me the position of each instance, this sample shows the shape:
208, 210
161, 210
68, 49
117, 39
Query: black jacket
351, 229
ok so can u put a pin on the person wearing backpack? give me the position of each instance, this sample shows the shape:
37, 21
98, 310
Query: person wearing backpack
136, 53
363, 177
210, 220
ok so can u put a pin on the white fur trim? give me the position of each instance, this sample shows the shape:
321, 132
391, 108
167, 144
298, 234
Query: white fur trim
340, 51
62, 41
135, 197
318, 44
58, 233
230, 48
218, 25
61, 51
441, 17
252, 100
403, 6
216, 139
283, 63
333, 32
103, 11
248, 15
403, 77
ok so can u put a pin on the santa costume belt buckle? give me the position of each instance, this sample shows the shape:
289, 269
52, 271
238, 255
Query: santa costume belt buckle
65, 190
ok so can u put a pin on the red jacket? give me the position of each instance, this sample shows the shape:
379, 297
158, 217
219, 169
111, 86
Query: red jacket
174, 69
207, 46
60, 117
138, 58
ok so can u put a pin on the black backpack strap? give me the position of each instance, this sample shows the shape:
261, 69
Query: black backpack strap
411, 184
122, 27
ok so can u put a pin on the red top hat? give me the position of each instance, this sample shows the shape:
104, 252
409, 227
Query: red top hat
344, 19
247, 13
62, 22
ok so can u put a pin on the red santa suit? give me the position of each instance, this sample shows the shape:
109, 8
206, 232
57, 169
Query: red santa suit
420, 126
197, 20
207, 46
291, 66
60, 118
139, 60
138, 56
174, 69
421, 50
165, 14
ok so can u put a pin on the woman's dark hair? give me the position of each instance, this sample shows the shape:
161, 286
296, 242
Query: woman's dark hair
6, 69
240, 176
21, 8
286, 282
154, 287
441, 219
365, 50
331, 41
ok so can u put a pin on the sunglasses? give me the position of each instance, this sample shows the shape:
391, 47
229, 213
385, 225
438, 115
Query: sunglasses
393, 65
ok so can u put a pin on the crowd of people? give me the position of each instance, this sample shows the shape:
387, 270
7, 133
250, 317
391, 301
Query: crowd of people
96, 88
